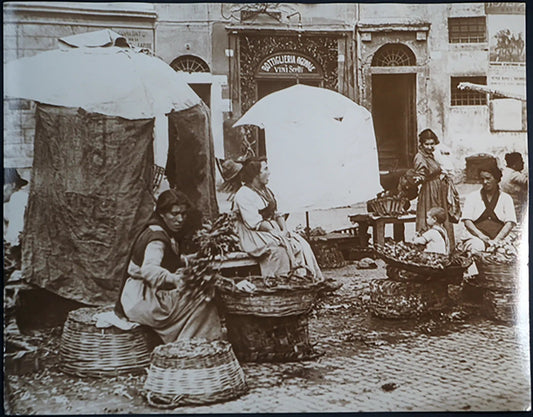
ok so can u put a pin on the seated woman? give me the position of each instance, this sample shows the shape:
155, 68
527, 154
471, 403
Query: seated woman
262, 230
153, 293
488, 214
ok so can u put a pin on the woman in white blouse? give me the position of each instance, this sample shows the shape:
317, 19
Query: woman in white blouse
488, 214
261, 228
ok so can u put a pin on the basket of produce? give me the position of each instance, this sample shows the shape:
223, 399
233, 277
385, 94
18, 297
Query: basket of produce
193, 372
273, 296
98, 352
408, 257
270, 339
386, 206
397, 300
498, 267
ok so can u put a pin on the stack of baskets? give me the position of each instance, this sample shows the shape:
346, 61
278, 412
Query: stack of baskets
90, 351
387, 206
411, 290
271, 323
193, 372
500, 287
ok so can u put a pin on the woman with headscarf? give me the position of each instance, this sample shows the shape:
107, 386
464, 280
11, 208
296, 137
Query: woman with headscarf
434, 185
153, 293
261, 228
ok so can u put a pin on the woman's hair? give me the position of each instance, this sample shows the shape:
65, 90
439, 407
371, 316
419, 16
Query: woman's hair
512, 158
170, 198
492, 169
438, 213
251, 169
427, 134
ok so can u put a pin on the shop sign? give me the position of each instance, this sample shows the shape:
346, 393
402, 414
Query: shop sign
288, 63
505, 7
138, 38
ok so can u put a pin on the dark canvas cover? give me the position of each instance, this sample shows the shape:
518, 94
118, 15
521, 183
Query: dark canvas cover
90, 192
191, 157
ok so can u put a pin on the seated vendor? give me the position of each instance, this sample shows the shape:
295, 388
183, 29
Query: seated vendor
488, 214
153, 293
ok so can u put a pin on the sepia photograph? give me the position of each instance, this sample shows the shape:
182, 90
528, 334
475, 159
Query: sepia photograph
225, 208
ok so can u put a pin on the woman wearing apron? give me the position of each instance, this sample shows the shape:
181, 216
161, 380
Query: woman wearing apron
488, 214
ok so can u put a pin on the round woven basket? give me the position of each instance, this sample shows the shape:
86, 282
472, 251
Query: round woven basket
270, 339
193, 372
279, 301
496, 276
387, 206
500, 306
89, 351
393, 299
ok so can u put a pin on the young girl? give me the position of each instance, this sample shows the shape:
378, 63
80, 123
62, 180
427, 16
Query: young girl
435, 238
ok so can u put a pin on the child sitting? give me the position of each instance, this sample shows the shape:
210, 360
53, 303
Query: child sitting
435, 239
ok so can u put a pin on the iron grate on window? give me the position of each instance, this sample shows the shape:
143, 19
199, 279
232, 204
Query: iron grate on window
467, 97
393, 55
189, 63
467, 29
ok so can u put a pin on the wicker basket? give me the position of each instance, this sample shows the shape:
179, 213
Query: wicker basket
270, 339
394, 300
193, 372
501, 306
89, 351
388, 206
496, 276
282, 300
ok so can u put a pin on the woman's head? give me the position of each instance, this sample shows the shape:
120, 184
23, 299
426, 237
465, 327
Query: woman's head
173, 207
436, 215
255, 170
428, 140
490, 176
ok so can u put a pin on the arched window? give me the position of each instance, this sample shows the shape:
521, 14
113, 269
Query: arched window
189, 63
393, 55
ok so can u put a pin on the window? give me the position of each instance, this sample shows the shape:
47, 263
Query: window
393, 55
189, 63
468, 97
467, 29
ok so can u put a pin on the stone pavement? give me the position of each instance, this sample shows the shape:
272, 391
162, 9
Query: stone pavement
368, 365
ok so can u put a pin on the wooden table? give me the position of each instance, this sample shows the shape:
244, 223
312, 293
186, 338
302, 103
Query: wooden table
378, 225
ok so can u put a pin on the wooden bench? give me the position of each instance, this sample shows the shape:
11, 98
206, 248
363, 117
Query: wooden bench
378, 225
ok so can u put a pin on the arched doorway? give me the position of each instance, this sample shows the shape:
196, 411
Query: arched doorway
281, 70
394, 105
192, 64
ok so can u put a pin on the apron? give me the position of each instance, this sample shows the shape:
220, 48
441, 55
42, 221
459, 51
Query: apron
488, 222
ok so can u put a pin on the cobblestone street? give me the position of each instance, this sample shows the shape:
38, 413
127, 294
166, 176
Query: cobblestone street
367, 364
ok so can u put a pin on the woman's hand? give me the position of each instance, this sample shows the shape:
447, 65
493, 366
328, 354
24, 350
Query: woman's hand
246, 286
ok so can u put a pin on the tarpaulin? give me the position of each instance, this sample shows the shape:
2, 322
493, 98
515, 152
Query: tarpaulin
191, 161
90, 193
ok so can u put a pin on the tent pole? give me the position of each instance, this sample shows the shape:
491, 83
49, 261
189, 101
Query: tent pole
307, 228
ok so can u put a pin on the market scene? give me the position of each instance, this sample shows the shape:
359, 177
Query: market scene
265, 208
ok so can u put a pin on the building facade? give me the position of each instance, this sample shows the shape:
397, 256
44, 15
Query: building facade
403, 62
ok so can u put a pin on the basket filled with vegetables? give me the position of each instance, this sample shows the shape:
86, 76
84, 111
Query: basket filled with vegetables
408, 257
498, 267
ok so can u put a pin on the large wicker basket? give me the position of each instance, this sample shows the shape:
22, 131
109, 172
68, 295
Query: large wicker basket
270, 339
496, 276
287, 299
388, 206
193, 372
394, 300
89, 351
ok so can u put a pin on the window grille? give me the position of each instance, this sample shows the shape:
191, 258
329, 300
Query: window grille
189, 63
467, 29
468, 97
393, 55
